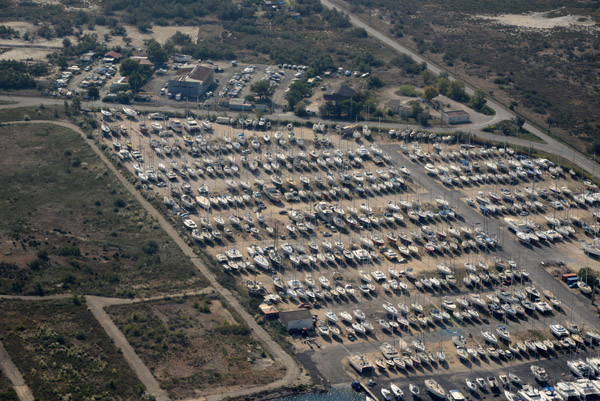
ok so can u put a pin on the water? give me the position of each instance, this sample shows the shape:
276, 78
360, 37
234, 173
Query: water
337, 393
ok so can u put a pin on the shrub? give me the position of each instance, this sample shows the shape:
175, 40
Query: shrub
150, 247
120, 203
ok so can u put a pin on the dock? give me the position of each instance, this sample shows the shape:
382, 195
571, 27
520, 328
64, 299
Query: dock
367, 390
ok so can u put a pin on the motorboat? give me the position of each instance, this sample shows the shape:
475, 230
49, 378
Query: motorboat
580, 369
558, 330
510, 396
529, 393
414, 389
539, 373
568, 390
397, 391
360, 363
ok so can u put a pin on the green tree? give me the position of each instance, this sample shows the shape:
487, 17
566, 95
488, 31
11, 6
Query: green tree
66, 42
478, 100
297, 91
136, 80
76, 105
144, 26
374, 82
180, 39
520, 121
128, 66
262, 88
588, 276
430, 92
329, 109
300, 108
415, 109
428, 77
156, 53
443, 85
456, 91
93, 92
150, 247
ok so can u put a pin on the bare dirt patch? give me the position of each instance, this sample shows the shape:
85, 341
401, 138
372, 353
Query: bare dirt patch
195, 346
541, 20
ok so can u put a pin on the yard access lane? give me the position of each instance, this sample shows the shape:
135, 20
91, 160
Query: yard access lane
293, 372
502, 112
551, 145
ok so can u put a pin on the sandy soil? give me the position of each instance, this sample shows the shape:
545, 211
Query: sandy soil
24, 54
540, 21
29, 49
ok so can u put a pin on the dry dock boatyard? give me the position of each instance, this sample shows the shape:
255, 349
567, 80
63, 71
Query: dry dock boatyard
417, 265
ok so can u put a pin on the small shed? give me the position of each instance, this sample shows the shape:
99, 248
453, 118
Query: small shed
269, 310
296, 320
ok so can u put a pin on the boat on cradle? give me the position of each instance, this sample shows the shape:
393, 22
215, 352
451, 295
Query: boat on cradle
360, 363
435, 388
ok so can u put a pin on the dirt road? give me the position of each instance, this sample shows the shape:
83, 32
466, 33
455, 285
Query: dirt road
14, 376
293, 371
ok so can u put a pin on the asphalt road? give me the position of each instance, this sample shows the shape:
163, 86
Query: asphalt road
551, 146
554, 365
502, 112
331, 360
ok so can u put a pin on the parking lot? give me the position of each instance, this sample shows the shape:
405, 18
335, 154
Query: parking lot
232, 80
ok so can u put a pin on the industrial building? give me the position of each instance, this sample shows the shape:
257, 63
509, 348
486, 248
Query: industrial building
455, 117
191, 81
296, 320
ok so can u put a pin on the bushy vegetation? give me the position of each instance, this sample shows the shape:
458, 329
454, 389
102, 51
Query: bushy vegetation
19, 75
194, 343
524, 68
84, 241
64, 352
588, 276
6, 32
360, 104
164, 12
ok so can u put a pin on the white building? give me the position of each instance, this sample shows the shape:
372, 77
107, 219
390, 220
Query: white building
191, 81
455, 117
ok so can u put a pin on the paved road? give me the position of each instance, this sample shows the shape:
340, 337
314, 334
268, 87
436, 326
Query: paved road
554, 364
331, 360
292, 369
502, 112
551, 145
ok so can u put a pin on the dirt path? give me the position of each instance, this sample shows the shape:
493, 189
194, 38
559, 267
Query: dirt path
293, 371
96, 305
14, 375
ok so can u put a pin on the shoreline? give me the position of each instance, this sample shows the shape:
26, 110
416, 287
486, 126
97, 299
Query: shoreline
284, 392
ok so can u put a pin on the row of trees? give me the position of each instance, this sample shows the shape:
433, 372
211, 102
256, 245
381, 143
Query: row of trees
16, 75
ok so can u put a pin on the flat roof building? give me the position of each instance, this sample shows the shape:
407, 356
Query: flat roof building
296, 320
191, 81
455, 117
